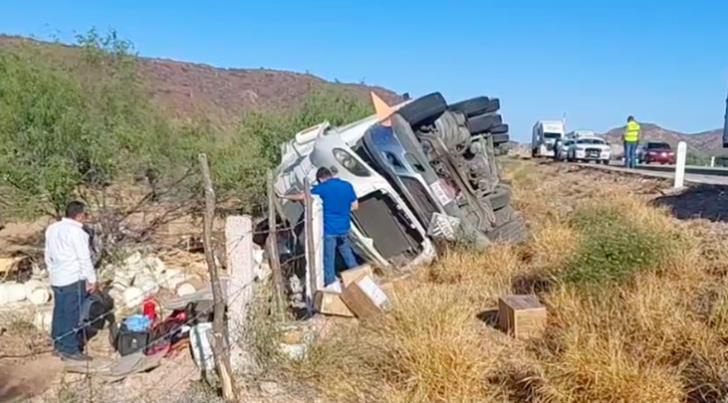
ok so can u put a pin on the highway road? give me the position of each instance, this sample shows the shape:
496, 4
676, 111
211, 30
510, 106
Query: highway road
693, 174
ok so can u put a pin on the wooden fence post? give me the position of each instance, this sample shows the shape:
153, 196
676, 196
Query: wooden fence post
219, 327
272, 246
311, 286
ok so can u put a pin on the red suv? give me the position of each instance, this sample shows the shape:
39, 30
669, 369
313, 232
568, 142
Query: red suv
658, 152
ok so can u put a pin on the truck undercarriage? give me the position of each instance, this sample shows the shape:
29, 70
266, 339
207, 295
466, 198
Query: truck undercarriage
431, 173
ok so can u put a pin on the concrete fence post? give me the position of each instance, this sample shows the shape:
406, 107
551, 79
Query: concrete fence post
315, 251
680, 165
712, 161
241, 271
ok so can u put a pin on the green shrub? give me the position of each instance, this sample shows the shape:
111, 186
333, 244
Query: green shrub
74, 124
615, 245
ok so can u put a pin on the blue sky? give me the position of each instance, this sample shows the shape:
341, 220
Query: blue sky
594, 61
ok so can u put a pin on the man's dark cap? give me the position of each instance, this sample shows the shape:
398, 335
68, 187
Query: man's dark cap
323, 173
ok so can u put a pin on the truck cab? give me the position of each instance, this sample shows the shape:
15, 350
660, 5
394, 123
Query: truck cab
546, 133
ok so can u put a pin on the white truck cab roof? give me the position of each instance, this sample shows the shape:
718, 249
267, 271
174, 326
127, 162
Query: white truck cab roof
552, 126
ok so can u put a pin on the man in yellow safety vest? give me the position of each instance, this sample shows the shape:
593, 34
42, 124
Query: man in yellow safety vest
631, 139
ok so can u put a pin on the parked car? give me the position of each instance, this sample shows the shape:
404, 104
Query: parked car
563, 149
589, 149
659, 152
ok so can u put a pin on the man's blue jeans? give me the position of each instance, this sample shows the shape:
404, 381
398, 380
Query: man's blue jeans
630, 154
331, 243
67, 301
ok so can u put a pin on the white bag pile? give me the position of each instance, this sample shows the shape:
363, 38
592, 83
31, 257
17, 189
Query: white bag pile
36, 291
138, 277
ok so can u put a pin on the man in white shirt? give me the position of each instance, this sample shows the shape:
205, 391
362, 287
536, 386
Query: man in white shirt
72, 276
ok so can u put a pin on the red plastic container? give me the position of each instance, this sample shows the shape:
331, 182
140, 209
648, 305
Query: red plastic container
149, 309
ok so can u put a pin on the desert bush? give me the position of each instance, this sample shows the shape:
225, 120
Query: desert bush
72, 125
47, 146
65, 128
270, 129
619, 238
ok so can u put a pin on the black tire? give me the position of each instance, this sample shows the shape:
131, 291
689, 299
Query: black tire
503, 215
476, 106
500, 197
605, 162
500, 138
513, 231
423, 110
483, 123
500, 129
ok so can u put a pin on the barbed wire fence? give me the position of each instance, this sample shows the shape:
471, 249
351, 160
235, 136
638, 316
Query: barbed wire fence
223, 343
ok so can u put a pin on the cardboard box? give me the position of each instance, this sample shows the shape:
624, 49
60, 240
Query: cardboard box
521, 316
352, 275
365, 298
330, 303
390, 289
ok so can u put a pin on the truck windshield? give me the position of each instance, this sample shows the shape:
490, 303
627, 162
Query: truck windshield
548, 135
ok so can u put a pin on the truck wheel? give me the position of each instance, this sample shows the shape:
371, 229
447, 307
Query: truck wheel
605, 162
503, 215
483, 123
500, 197
423, 110
500, 139
513, 231
500, 129
476, 106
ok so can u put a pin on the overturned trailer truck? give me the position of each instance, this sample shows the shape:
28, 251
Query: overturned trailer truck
426, 171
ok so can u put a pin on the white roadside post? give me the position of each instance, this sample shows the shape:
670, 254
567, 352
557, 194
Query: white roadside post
680, 165
712, 161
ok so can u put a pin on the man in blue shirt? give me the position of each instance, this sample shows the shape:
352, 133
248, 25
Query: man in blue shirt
339, 199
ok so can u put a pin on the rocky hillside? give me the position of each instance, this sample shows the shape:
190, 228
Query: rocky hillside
704, 143
188, 91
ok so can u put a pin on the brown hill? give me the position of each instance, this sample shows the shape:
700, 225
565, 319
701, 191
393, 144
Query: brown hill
703, 143
187, 91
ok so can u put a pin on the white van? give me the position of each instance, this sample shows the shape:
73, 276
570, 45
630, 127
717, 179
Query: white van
545, 135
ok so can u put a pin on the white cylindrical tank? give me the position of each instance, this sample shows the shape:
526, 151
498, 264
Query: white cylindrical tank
12, 292
133, 296
185, 289
37, 292
200, 342
43, 319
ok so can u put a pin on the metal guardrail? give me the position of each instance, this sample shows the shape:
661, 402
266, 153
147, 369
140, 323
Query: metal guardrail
698, 170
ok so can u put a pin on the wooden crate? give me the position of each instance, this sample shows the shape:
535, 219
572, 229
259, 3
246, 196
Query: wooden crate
521, 316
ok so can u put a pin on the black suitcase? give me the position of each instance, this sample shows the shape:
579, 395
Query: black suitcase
128, 342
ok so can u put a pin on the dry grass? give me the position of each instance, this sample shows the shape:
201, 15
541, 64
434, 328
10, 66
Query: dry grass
655, 331
429, 348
